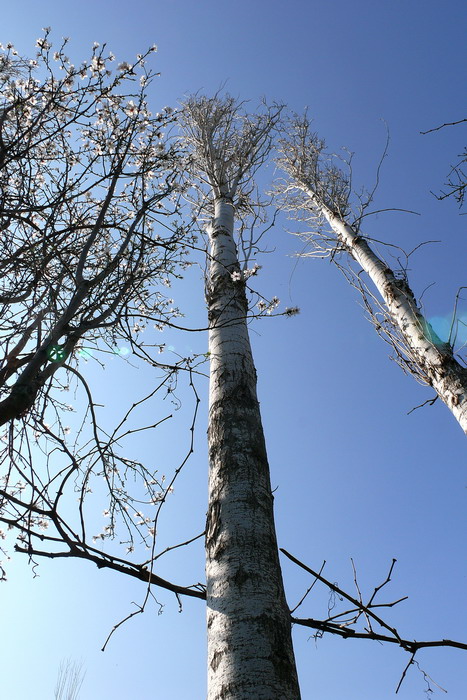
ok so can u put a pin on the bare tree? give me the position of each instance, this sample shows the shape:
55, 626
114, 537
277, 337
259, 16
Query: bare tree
317, 189
249, 640
245, 596
69, 681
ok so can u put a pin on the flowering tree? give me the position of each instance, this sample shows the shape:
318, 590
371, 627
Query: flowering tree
318, 190
86, 177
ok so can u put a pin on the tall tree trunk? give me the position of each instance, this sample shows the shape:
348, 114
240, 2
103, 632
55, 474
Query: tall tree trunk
433, 359
250, 651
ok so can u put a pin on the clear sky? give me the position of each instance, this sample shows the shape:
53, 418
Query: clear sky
355, 475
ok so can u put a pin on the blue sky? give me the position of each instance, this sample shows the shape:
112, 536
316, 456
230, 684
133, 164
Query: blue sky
355, 475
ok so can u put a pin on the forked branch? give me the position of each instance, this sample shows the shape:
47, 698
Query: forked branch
351, 616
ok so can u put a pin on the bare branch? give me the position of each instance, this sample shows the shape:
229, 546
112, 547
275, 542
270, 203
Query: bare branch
442, 126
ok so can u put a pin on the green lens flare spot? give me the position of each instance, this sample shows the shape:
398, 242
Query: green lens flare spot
122, 351
85, 353
56, 353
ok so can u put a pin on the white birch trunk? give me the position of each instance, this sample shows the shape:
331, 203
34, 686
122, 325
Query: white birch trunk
250, 653
434, 358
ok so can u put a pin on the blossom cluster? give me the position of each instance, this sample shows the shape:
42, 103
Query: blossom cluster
240, 276
268, 306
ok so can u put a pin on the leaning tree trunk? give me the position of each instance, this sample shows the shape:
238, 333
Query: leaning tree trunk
434, 360
250, 651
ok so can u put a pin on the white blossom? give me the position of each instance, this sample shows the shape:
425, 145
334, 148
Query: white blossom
97, 64
253, 271
131, 109
43, 44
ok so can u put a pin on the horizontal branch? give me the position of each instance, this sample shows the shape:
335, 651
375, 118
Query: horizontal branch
346, 632
138, 571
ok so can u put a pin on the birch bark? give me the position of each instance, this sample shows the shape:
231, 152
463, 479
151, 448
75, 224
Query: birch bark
433, 358
250, 653
317, 185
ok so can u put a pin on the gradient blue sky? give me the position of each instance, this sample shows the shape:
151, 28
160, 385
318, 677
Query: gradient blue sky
355, 476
